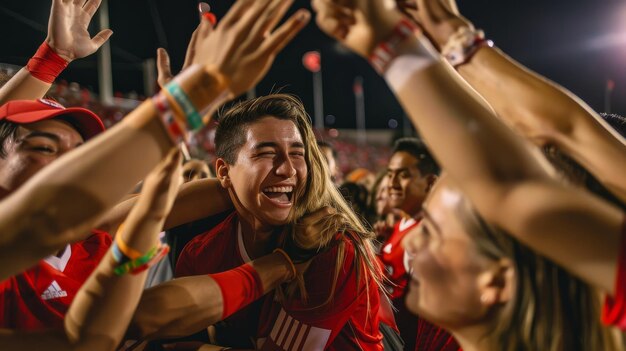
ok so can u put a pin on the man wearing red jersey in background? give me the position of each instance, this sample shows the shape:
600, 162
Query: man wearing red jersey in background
34, 133
411, 173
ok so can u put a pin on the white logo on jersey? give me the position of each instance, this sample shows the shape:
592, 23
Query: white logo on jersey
387, 248
53, 291
291, 334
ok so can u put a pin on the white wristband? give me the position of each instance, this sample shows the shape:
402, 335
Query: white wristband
402, 67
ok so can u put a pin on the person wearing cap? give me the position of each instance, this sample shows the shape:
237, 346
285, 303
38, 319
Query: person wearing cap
34, 133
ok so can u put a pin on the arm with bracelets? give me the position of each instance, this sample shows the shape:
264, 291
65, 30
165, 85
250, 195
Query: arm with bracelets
493, 166
103, 307
63, 201
541, 110
68, 39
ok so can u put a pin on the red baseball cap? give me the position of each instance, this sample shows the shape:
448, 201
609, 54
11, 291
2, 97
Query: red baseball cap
87, 123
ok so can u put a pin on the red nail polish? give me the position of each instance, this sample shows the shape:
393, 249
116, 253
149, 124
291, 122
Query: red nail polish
209, 16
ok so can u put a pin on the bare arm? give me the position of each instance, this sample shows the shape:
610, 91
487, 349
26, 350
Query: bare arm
68, 37
503, 177
196, 200
63, 201
541, 110
186, 305
105, 296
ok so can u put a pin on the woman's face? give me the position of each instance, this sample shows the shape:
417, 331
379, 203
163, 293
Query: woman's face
448, 274
382, 195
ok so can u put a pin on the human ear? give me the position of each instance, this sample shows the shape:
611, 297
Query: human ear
497, 283
221, 172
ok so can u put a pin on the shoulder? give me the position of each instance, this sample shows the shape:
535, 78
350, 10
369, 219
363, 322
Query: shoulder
94, 245
338, 260
212, 239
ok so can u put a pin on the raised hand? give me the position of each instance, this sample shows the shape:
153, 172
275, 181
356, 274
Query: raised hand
67, 29
164, 69
245, 42
358, 24
439, 18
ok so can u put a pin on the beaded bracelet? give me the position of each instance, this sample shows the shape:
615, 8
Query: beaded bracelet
463, 44
167, 117
142, 263
385, 51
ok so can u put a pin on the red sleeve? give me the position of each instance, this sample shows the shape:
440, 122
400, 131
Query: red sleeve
614, 310
240, 287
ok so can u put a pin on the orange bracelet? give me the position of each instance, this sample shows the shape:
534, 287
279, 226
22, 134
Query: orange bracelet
125, 249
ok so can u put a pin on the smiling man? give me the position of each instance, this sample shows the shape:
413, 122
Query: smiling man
33, 134
411, 173
270, 163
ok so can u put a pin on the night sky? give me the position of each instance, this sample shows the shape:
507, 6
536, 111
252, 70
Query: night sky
579, 44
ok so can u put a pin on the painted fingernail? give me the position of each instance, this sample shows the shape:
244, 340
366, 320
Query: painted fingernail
210, 17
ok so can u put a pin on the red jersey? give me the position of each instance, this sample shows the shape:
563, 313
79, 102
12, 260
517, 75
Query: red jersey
349, 321
614, 311
39, 297
418, 334
393, 258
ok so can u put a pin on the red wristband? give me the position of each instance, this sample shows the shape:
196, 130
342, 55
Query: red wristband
46, 65
240, 287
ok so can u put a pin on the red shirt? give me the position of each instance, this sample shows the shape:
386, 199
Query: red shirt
349, 321
418, 334
614, 311
39, 297
393, 258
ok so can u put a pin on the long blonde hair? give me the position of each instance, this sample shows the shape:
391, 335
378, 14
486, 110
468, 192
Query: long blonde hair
317, 192
551, 310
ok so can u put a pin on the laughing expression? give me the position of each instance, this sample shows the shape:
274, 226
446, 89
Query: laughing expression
270, 166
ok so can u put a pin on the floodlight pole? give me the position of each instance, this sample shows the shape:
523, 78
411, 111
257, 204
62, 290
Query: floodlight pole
105, 72
359, 101
318, 100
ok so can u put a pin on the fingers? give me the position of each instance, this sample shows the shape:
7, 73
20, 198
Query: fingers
164, 70
101, 38
236, 11
333, 19
191, 48
285, 33
270, 17
91, 6
433, 11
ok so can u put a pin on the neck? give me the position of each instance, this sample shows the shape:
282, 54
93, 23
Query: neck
258, 240
475, 338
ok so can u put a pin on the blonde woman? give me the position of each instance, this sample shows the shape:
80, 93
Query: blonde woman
509, 185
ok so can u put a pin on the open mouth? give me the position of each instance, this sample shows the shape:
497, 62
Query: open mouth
281, 195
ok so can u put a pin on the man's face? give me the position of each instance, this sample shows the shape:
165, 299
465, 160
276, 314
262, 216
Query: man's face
407, 187
36, 145
269, 167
